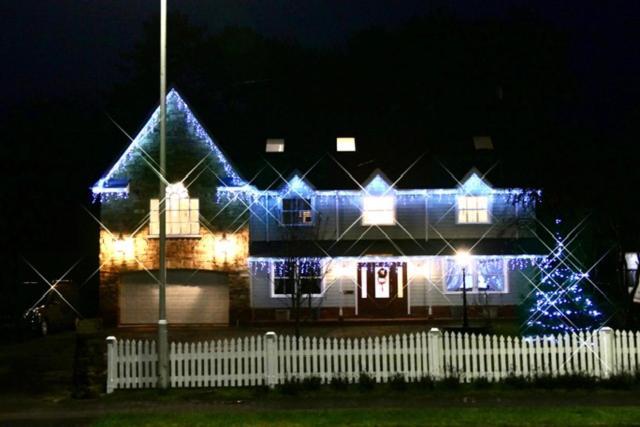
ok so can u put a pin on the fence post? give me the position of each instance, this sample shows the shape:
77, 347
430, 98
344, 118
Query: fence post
271, 359
434, 347
607, 358
111, 364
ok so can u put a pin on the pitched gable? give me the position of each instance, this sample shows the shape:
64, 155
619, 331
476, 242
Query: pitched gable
189, 146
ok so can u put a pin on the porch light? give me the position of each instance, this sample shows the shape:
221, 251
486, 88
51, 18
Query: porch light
123, 248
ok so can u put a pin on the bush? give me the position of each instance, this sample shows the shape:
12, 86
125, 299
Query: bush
517, 381
398, 382
574, 381
481, 383
426, 383
339, 383
619, 382
570, 381
544, 381
450, 382
311, 383
366, 382
290, 386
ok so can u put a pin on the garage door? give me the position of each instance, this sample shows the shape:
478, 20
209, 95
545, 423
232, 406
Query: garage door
189, 299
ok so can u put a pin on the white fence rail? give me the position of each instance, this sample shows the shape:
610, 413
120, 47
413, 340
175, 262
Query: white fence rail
271, 359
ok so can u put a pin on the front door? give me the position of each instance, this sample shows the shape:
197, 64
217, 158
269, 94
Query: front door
382, 291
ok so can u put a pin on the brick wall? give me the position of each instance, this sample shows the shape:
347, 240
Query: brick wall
211, 252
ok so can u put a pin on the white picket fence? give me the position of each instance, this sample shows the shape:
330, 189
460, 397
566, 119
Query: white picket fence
271, 359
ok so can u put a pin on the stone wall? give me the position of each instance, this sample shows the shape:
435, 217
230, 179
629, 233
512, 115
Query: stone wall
223, 252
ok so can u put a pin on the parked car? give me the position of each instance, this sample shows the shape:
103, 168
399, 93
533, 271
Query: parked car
53, 313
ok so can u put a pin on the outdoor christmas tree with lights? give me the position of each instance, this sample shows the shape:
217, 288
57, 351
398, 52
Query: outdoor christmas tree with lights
560, 301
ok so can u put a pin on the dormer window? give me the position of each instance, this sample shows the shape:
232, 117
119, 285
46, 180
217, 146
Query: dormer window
275, 146
379, 210
473, 210
297, 211
346, 144
182, 213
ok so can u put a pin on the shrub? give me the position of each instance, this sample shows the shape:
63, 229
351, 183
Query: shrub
619, 382
339, 383
290, 386
450, 382
311, 383
573, 381
481, 383
398, 382
366, 382
516, 381
426, 382
544, 381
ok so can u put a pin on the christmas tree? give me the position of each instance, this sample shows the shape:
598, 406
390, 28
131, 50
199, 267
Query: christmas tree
560, 301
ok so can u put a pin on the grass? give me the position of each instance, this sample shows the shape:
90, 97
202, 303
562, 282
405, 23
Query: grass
514, 416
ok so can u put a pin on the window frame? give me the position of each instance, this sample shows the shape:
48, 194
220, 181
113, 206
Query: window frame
393, 210
473, 270
272, 281
459, 209
190, 221
312, 210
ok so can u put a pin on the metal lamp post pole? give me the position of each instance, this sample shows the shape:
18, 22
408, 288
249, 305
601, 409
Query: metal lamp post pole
163, 346
465, 320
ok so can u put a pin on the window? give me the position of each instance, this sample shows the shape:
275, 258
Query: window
379, 210
308, 272
275, 146
297, 211
473, 210
182, 213
482, 275
490, 275
346, 144
453, 276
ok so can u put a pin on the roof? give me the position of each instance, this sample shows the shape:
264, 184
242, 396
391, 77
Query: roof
407, 162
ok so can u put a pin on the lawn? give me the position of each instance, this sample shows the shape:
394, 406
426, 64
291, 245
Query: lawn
487, 416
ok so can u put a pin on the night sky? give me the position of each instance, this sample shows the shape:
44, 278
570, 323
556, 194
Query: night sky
72, 48
63, 68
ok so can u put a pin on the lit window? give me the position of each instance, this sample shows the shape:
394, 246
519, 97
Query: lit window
182, 213
309, 275
473, 210
275, 146
379, 210
481, 275
490, 275
453, 276
346, 144
297, 211
482, 143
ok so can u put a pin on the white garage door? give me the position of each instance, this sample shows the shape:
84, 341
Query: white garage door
186, 303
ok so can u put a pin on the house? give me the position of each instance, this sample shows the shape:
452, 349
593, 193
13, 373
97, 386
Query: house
358, 238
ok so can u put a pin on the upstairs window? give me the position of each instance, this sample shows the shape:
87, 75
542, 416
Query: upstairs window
473, 210
275, 146
297, 211
345, 144
182, 213
297, 278
379, 210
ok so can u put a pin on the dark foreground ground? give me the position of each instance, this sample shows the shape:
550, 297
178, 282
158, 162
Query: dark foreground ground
37, 387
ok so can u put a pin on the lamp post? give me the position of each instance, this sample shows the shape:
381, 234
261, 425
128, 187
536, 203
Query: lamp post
163, 345
463, 258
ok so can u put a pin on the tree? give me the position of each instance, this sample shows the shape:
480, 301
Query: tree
561, 302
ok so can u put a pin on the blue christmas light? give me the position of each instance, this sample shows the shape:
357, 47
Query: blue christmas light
175, 102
